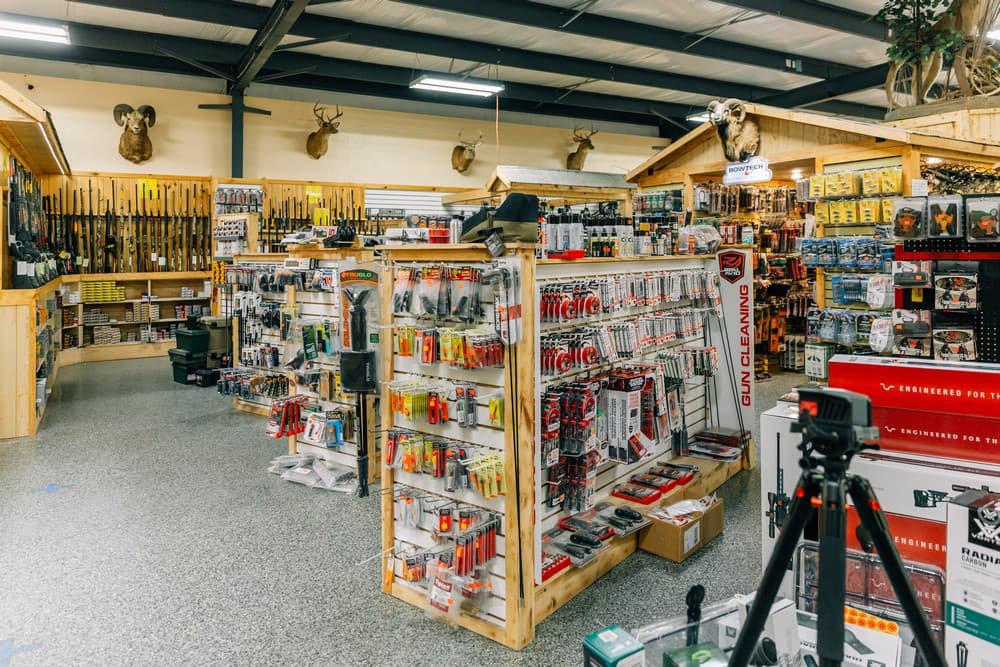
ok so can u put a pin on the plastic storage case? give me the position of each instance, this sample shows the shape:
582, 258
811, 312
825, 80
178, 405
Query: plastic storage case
183, 374
187, 358
192, 340
205, 377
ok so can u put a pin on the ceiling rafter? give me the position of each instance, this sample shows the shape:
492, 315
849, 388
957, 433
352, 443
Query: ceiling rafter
220, 56
537, 15
822, 14
316, 26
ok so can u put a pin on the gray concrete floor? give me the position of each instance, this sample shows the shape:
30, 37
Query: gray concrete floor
139, 527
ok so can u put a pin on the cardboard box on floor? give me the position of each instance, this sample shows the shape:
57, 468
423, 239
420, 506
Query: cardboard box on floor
676, 543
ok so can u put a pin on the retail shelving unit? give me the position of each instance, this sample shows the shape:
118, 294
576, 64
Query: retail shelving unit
521, 596
143, 294
305, 306
808, 143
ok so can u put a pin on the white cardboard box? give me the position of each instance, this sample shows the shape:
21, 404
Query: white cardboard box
972, 632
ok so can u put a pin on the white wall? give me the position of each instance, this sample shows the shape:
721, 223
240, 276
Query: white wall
373, 146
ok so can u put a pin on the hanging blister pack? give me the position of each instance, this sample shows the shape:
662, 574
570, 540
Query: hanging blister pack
880, 293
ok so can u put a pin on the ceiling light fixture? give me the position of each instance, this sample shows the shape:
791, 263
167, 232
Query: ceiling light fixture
19, 28
934, 160
796, 174
458, 86
700, 117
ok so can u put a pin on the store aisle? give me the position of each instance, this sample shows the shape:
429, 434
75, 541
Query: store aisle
140, 527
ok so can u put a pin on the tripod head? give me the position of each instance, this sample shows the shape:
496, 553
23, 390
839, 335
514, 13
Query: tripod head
835, 423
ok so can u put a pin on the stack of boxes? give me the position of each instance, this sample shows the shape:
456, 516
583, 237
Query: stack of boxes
201, 350
190, 355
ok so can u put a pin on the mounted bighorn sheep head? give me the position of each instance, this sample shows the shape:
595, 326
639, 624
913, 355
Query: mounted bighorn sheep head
135, 145
740, 135
576, 158
463, 155
317, 143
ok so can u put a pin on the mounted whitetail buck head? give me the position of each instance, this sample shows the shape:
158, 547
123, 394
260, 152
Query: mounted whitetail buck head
134, 144
463, 155
576, 158
317, 142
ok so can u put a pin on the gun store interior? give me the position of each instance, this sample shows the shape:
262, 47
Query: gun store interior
556, 332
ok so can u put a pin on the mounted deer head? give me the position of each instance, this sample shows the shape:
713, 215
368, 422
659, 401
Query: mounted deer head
134, 144
317, 143
463, 155
576, 158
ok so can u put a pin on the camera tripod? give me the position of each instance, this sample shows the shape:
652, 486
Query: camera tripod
834, 424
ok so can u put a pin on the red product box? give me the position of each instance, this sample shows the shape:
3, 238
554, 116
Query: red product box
938, 434
961, 388
914, 492
928, 407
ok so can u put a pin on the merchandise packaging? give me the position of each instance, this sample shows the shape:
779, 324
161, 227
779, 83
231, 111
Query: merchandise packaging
862, 646
981, 218
613, 647
880, 338
956, 291
909, 218
944, 217
781, 628
972, 634
955, 344
680, 530
911, 273
928, 407
360, 317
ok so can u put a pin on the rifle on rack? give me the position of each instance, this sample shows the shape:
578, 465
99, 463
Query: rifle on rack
110, 239
206, 222
143, 236
88, 235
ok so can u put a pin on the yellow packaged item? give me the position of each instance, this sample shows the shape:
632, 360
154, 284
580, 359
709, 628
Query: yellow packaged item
892, 181
817, 186
871, 182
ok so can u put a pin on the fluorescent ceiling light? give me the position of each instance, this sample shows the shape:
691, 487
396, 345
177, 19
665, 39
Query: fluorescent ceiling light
42, 32
457, 86
700, 117
796, 174
934, 160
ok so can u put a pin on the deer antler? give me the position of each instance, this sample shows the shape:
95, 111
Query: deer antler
339, 114
577, 136
318, 112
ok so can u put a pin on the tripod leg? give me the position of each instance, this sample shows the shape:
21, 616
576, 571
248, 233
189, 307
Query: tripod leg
798, 516
873, 520
832, 572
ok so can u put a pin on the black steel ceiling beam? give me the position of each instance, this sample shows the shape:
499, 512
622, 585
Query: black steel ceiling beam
280, 19
109, 46
314, 26
819, 14
152, 63
537, 15
830, 88
205, 51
